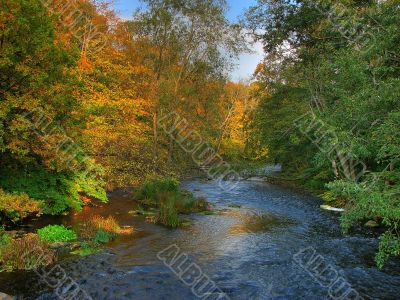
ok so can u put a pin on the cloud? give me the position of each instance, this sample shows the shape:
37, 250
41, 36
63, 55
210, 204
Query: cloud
248, 62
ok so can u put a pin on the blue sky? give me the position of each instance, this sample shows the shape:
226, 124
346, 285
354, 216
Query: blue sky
247, 62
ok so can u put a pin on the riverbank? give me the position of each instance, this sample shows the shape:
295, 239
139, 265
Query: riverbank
368, 227
160, 200
247, 250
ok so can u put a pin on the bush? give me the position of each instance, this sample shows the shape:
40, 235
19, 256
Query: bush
17, 206
389, 245
25, 253
333, 199
56, 234
372, 199
58, 191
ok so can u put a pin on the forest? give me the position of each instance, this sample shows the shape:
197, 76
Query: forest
82, 91
91, 103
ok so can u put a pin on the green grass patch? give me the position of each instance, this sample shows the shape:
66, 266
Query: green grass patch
56, 234
103, 237
5, 239
151, 190
87, 248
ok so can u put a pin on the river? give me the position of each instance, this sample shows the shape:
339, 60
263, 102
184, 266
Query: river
265, 242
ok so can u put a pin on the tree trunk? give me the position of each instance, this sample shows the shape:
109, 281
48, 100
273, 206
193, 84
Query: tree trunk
155, 140
171, 148
335, 168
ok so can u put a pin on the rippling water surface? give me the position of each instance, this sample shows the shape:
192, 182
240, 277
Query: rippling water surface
248, 249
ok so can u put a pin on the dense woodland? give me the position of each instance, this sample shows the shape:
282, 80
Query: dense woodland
105, 82
329, 103
82, 91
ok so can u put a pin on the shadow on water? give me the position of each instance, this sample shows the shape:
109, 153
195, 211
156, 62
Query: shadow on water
247, 248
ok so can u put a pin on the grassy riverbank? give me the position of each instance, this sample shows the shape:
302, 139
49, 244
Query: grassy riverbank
29, 251
159, 199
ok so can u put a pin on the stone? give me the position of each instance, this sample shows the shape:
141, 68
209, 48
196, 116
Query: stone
258, 179
5, 297
330, 208
371, 224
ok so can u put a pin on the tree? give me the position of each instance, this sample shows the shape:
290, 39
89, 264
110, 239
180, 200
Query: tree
333, 62
38, 120
194, 44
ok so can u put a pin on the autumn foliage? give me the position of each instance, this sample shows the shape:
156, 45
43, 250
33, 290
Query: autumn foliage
100, 85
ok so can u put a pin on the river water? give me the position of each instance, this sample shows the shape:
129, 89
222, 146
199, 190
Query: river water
265, 242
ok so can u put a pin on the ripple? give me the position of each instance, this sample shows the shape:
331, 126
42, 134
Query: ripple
247, 250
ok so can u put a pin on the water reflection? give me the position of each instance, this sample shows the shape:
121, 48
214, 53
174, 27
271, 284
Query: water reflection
247, 248
254, 222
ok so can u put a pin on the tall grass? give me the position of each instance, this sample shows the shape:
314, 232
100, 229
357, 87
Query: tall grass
98, 230
91, 227
25, 253
166, 195
168, 214
152, 190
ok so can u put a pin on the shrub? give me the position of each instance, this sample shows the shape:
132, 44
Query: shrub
333, 199
59, 191
56, 234
17, 206
372, 199
389, 245
25, 253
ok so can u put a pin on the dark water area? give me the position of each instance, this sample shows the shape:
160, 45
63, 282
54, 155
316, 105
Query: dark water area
256, 247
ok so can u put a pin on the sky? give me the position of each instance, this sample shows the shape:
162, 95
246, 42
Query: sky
247, 62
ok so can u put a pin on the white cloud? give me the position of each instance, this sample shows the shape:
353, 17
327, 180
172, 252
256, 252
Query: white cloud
248, 63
